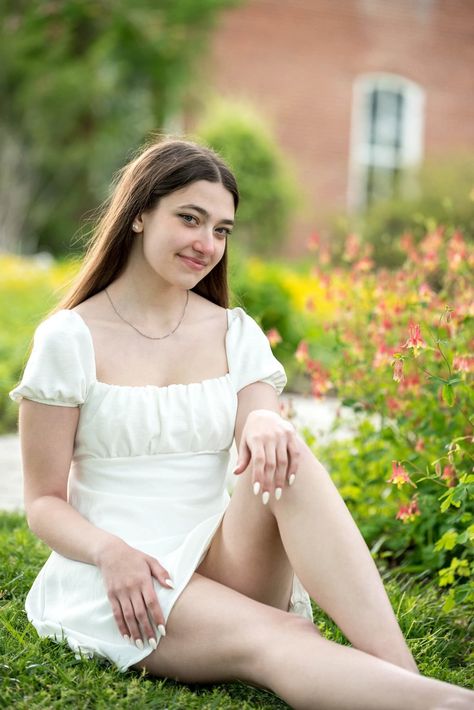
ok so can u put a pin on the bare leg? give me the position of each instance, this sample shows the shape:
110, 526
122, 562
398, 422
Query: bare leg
311, 531
247, 553
217, 634
332, 560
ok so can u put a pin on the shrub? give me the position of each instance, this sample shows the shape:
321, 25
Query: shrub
268, 191
404, 353
442, 195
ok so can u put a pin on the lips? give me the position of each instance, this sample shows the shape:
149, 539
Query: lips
197, 263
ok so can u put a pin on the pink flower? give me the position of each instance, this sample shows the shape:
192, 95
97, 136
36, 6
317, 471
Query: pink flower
352, 247
406, 244
457, 251
425, 293
324, 255
302, 353
382, 355
397, 365
407, 513
449, 475
399, 476
415, 340
314, 241
274, 337
364, 264
393, 405
420, 444
411, 383
320, 382
463, 363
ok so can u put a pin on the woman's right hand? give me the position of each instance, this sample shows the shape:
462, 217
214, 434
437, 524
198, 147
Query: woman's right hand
128, 574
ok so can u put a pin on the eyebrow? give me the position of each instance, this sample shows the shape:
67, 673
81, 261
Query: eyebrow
204, 212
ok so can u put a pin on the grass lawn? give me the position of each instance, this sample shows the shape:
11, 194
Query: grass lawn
38, 673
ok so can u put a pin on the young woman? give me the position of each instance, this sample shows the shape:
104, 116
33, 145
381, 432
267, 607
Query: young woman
154, 565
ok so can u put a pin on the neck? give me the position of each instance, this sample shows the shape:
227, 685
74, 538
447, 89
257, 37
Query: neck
153, 310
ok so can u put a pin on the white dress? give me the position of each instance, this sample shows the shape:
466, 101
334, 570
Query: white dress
149, 465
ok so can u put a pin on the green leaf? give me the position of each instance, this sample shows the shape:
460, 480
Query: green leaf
447, 541
449, 602
448, 395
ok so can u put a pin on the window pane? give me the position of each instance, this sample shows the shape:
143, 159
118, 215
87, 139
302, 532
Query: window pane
385, 117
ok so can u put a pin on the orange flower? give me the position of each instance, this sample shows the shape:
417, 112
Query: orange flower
407, 513
415, 340
274, 337
399, 476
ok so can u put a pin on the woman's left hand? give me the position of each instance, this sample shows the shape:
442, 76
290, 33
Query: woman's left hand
269, 444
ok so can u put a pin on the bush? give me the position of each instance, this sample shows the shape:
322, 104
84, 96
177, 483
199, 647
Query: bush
442, 196
268, 191
29, 289
404, 353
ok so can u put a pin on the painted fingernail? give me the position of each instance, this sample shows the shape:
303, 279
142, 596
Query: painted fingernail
162, 630
278, 492
291, 480
139, 644
169, 583
127, 638
265, 497
256, 487
153, 643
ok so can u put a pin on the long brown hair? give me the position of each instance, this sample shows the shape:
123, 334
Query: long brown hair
159, 169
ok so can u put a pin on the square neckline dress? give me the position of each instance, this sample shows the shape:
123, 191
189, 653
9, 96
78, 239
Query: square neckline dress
149, 465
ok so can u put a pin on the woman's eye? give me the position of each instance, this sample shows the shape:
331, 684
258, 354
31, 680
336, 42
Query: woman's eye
224, 231
191, 217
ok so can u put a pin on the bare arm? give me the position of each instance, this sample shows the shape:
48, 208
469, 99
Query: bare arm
47, 440
47, 435
264, 440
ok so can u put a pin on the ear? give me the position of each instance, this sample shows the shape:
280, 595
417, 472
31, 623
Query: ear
137, 224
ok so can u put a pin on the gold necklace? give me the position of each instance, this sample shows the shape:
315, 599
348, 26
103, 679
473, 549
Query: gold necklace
150, 337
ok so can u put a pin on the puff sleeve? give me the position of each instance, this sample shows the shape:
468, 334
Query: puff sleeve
249, 354
60, 368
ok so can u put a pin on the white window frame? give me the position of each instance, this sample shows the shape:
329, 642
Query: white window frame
363, 154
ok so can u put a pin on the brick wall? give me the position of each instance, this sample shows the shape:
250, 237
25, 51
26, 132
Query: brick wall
296, 60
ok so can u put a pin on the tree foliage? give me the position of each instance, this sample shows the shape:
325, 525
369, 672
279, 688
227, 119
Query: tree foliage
82, 84
268, 188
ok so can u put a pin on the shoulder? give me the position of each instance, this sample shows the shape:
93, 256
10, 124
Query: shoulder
250, 355
206, 313
64, 336
59, 323
60, 367
242, 322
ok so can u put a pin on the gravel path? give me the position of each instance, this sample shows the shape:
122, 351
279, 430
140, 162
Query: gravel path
316, 415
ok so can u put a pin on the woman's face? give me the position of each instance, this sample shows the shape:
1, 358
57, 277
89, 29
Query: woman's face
185, 235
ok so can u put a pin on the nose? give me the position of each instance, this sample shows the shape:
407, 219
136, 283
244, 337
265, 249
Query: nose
205, 242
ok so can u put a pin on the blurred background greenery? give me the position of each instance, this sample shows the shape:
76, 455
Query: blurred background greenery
83, 85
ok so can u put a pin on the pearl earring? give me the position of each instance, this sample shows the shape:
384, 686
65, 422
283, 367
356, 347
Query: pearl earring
135, 227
